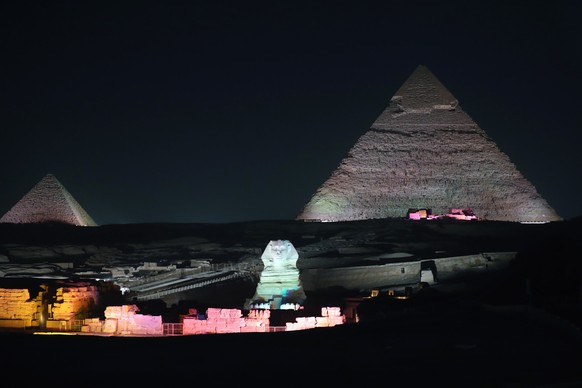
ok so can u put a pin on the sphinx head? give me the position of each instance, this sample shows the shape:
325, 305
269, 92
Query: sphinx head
279, 254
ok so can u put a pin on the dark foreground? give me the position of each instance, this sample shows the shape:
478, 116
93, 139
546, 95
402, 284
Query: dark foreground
457, 343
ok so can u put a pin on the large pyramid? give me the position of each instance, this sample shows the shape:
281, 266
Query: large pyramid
425, 152
48, 201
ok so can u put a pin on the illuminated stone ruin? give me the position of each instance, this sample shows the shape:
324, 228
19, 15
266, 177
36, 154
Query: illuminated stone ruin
50, 310
125, 321
279, 286
330, 316
48, 201
21, 310
18, 309
217, 321
425, 152
69, 302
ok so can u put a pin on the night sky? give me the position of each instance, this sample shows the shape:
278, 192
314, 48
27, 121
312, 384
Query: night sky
210, 112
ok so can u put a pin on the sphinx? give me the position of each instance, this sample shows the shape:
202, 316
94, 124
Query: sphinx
279, 284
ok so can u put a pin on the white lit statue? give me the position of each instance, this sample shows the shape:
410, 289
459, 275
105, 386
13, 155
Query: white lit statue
279, 283
279, 255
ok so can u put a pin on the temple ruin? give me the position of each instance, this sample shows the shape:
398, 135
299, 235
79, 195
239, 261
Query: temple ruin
425, 152
48, 201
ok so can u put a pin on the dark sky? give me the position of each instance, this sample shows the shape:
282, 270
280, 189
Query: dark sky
222, 112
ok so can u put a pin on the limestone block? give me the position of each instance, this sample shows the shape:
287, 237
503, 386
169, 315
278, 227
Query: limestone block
16, 304
226, 329
15, 323
144, 324
70, 300
119, 311
57, 325
195, 326
322, 322
110, 325
213, 312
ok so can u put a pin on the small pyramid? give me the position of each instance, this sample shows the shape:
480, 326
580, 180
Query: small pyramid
425, 152
48, 201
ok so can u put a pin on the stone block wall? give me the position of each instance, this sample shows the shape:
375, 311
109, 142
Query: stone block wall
257, 321
364, 277
232, 321
330, 316
454, 266
226, 321
17, 309
70, 300
92, 325
124, 320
